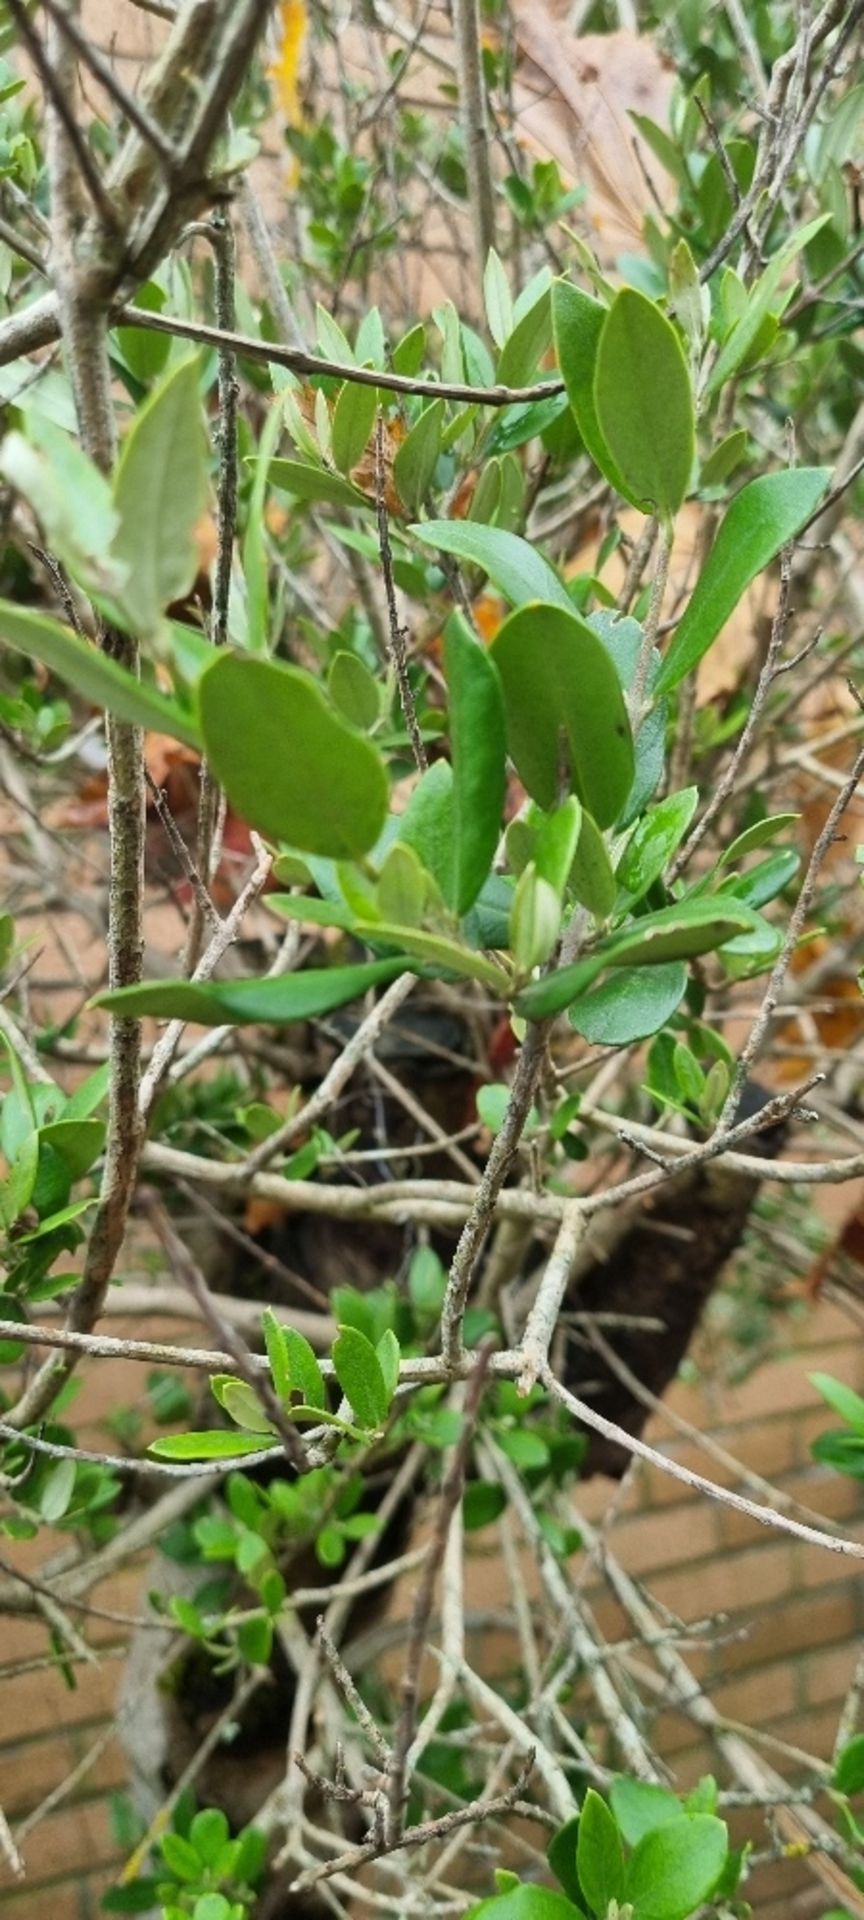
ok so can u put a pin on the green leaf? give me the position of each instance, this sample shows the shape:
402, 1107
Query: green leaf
623, 639
358, 1371
679, 932
69, 495
181, 1857
159, 493
578, 323
535, 920
526, 1903
557, 839
417, 458
724, 458
427, 824
599, 1854
305, 1374
209, 1446
761, 520
443, 955
311, 912
403, 887
240, 1403
482, 1502
256, 567
641, 1808
591, 875
389, 1356
316, 484
353, 420
737, 345
561, 1855
675, 1868
652, 843
78, 1142
842, 1399
516, 569
354, 690
561, 690
145, 353
497, 298
275, 1002
56, 1492
756, 836
764, 881
92, 674
289, 765
478, 747
526, 345
644, 402
208, 1834
632, 1004
849, 1767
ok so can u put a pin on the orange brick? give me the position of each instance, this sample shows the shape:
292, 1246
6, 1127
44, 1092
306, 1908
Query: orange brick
41, 1702
828, 1675
814, 1732
78, 1840
784, 1386
673, 1537
40, 1903
739, 1582
796, 1625
759, 1697
767, 1446
820, 1567
30, 1769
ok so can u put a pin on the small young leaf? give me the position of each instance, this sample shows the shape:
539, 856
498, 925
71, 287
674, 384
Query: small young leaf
591, 875
644, 401
57, 1491
389, 1356
352, 423
498, 299
535, 920
354, 690
842, 1399
358, 1371
599, 1854
240, 1403
756, 836
689, 928
849, 1767
316, 484
762, 518
640, 1808
724, 458
652, 843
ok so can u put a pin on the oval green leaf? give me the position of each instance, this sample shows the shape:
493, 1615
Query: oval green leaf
652, 843
358, 1371
599, 1854
516, 569
561, 690
633, 1004
93, 674
674, 1869
289, 766
761, 519
644, 402
578, 322
680, 932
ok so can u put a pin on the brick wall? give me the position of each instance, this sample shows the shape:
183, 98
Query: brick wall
782, 1660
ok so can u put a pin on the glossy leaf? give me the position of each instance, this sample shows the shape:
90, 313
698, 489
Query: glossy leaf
438, 952
724, 458
427, 824
92, 674
632, 1004
288, 764
644, 402
358, 1371
354, 690
763, 882
578, 322
478, 748
529, 341
622, 637
497, 298
756, 836
526, 1903
275, 1002
516, 569
159, 494
653, 841
210, 1446
639, 1807
561, 689
743, 336
761, 520
352, 423
849, 1767
557, 839
689, 928
240, 1403
599, 1854
675, 1868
